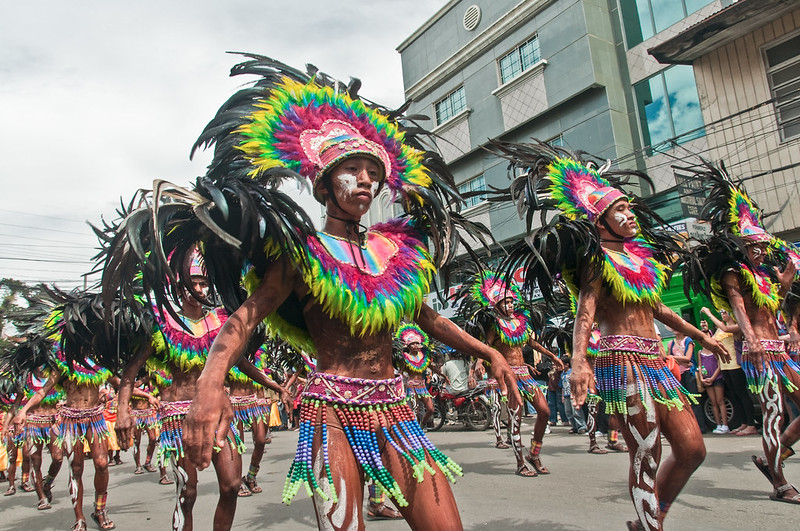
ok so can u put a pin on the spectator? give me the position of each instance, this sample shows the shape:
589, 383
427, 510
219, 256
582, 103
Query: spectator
574, 415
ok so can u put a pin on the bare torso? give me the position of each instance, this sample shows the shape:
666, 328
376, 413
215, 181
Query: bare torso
615, 318
80, 396
184, 384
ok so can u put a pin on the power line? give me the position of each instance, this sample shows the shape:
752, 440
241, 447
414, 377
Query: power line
46, 260
42, 228
41, 216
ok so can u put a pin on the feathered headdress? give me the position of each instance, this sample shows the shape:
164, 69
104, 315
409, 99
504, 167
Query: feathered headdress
414, 360
736, 221
489, 288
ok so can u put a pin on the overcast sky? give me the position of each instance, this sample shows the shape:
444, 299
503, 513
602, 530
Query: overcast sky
97, 99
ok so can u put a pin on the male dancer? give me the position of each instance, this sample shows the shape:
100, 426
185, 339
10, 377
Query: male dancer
338, 294
508, 330
144, 412
414, 347
41, 431
610, 260
743, 284
181, 348
80, 421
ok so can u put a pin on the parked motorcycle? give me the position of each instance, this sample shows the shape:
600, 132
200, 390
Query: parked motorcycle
471, 408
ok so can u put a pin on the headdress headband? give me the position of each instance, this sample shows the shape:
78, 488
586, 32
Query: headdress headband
489, 288
580, 191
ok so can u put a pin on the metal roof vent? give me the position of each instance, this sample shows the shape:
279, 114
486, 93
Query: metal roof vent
472, 17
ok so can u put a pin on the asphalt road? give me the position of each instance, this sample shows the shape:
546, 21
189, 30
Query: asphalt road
583, 492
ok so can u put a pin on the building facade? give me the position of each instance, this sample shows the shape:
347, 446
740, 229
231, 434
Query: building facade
580, 73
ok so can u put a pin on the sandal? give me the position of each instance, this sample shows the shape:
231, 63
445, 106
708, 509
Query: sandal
526, 472
244, 492
595, 449
26, 487
251, 484
117, 460
11, 491
80, 525
43, 505
139, 470
382, 512
502, 445
762, 467
634, 525
150, 468
536, 462
617, 447
777, 495
106, 523
165, 480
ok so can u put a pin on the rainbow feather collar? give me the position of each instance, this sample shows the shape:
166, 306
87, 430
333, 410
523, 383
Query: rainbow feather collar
515, 331
93, 376
369, 289
187, 350
35, 383
762, 289
634, 275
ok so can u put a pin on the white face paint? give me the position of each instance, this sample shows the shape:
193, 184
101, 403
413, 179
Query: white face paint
348, 182
620, 218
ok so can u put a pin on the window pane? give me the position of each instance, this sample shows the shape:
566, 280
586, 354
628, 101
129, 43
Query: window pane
683, 101
665, 13
784, 51
784, 75
529, 53
458, 102
635, 21
510, 66
653, 111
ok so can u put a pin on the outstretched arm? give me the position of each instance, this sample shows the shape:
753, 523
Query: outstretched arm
211, 413
538, 347
731, 329
448, 333
676, 322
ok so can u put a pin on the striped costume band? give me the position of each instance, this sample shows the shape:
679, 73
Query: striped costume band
171, 440
616, 353
248, 410
82, 425
37, 427
145, 419
372, 414
525, 383
774, 367
417, 388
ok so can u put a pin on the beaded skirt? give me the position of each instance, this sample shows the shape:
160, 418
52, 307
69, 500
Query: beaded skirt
774, 367
249, 409
145, 419
79, 424
171, 438
368, 410
417, 388
492, 390
617, 352
38, 428
525, 383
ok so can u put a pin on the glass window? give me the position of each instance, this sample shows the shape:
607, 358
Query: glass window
450, 105
669, 108
475, 184
644, 18
520, 59
783, 72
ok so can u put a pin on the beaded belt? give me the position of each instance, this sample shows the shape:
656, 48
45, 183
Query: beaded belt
245, 400
173, 409
33, 418
770, 345
69, 413
415, 384
353, 391
644, 346
520, 370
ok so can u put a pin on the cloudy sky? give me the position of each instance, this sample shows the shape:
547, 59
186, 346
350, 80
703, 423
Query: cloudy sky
99, 98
